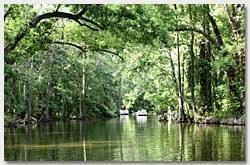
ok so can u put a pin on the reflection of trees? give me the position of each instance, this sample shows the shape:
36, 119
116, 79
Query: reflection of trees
211, 142
181, 140
126, 140
122, 119
82, 138
238, 144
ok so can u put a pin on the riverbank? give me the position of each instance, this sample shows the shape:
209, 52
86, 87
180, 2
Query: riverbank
11, 122
8, 122
225, 121
206, 120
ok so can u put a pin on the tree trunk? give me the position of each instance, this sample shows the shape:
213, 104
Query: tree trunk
24, 100
82, 111
205, 68
80, 102
173, 74
47, 113
119, 96
181, 140
30, 99
182, 117
182, 90
19, 95
85, 90
235, 12
192, 84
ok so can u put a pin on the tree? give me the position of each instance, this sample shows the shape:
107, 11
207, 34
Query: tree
88, 60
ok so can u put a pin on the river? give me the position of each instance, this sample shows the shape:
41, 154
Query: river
125, 139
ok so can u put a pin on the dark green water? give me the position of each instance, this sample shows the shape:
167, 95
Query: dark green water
128, 139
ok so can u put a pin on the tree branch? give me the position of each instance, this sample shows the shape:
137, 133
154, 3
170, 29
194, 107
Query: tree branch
56, 14
184, 28
83, 24
58, 6
92, 22
216, 30
7, 12
83, 49
232, 20
84, 10
108, 51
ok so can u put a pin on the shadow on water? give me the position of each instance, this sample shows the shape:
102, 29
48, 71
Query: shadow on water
136, 138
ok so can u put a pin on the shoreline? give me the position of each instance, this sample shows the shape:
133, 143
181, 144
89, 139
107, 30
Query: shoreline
212, 121
206, 121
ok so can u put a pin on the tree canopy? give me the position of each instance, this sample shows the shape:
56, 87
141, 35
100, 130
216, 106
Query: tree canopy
87, 61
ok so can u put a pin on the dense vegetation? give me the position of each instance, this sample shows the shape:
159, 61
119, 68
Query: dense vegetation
86, 61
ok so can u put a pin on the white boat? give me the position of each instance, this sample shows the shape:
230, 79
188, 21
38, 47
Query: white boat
142, 112
124, 112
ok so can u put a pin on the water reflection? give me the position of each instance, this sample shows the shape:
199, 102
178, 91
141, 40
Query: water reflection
124, 118
140, 138
141, 119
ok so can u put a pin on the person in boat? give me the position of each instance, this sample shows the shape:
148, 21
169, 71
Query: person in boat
124, 110
123, 107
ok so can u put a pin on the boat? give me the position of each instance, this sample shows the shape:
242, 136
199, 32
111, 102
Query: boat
123, 112
142, 112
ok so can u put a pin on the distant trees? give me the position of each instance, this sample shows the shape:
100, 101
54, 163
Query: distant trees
185, 58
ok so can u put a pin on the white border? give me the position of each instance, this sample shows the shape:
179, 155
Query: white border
125, 1
109, 2
1, 83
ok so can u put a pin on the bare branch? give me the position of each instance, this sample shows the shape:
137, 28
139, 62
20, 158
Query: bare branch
59, 5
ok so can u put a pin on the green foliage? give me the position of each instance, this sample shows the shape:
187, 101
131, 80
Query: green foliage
127, 62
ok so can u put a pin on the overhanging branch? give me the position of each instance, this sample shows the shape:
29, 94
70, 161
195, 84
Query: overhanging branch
83, 49
75, 17
215, 29
184, 28
56, 14
7, 12
108, 51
